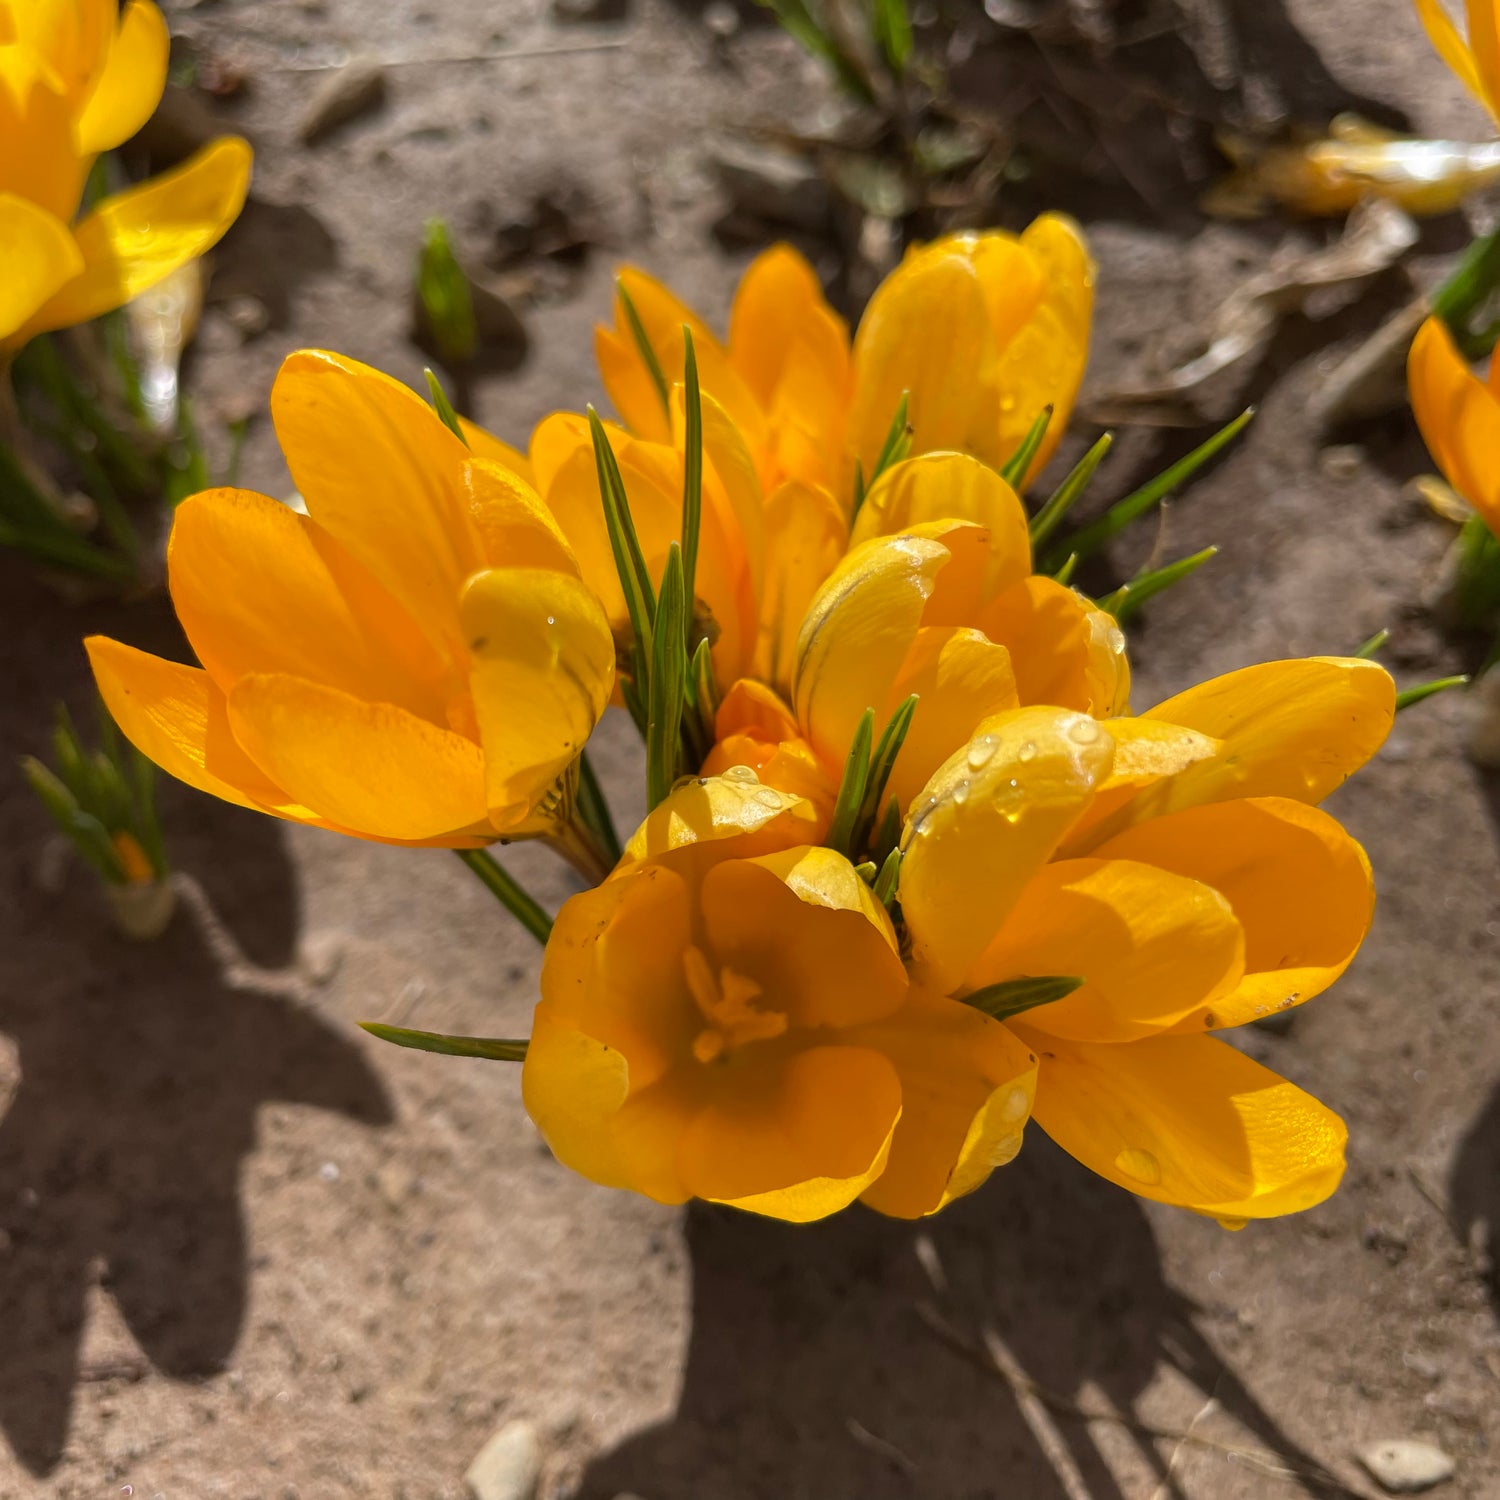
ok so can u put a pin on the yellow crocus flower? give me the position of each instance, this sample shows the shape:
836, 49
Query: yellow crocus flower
733, 1016
982, 330
1177, 864
728, 1017
78, 77
415, 660
1459, 416
1475, 61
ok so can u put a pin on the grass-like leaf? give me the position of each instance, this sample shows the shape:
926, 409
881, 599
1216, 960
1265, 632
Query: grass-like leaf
1013, 996
1061, 500
1013, 471
495, 1049
1097, 533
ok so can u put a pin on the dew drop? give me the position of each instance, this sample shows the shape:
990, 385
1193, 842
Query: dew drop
768, 797
982, 751
552, 619
1114, 638
1228, 1223
1083, 731
1027, 751
1016, 1105
1141, 1165
960, 793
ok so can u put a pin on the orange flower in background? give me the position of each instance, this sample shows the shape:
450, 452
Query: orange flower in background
79, 77
727, 1017
1459, 417
415, 660
982, 330
1177, 866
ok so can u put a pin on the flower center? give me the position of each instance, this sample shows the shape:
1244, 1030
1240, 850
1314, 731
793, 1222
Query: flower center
726, 1002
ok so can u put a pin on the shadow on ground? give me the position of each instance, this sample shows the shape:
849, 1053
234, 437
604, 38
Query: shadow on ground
813, 1373
139, 1070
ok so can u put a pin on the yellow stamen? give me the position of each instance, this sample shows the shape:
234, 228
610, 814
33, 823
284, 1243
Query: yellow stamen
727, 1004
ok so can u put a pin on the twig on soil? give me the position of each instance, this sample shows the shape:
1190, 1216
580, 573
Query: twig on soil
876, 1444
1164, 1490
511, 54
1023, 1386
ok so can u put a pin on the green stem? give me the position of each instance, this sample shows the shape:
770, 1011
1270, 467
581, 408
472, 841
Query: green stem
1478, 274
508, 892
595, 810
582, 848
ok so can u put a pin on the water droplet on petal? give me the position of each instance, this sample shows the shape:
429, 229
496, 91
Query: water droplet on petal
982, 751
1004, 1150
1141, 1165
1228, 1223
768, 797
1083, 731
552, 619
1026, 752
1016, 1105
1114, 638
960, 793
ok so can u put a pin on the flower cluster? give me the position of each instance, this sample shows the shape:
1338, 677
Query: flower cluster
913, 873
79, 77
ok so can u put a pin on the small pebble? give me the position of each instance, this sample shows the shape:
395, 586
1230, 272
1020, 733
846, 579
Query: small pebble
509, 1466
1403, 1466
1342, 461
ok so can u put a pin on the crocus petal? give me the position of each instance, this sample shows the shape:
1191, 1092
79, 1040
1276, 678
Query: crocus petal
833, 962
73, 39
663, 316
944, 486
613, 969
806, 535
543, 670
1299, 885
1191, 1121
135, 238
781, 319
254, 592
960, 679
966, 1090
732, 811
985, 824
793, 351
175, 716
1459, 417
1043, 363
1443, 35
798, 1139
573, 1086
1066, 652
515, 529
382, 474
1484, 51
372, 768
1146, 751
131, 84
1151, 947
38, 160
1293, 729
926, 333
864, 619
484, 444
39, 255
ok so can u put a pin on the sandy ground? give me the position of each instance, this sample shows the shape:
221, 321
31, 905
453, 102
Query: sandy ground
246, 1251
